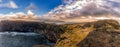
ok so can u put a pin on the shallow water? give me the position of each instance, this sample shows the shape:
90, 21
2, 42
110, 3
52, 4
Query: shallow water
17, 39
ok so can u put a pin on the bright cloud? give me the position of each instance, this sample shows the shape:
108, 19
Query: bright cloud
11, 4
18, 15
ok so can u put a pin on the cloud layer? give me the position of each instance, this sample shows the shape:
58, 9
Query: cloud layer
19, 15
74, 8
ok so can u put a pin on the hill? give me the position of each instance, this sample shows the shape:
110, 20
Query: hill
105, 33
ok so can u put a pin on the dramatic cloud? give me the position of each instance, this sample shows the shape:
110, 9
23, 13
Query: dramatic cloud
74, 8
31, 7
11, 4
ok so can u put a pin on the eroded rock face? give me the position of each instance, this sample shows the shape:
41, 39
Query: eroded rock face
106, 34
101, 38
103, 33
23, 34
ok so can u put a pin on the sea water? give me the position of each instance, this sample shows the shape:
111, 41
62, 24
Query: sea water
18, 39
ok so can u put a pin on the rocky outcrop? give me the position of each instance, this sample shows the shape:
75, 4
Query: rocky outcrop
106, 34
101, 38
19, 31
51, 31
74, 33
103, 33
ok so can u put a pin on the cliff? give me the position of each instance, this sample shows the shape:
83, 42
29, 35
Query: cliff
105, 33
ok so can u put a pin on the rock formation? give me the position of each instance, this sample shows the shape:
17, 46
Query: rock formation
106, 34
103, 33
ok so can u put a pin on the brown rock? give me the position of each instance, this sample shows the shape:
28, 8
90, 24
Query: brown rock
104, 37
106, 34
103, 33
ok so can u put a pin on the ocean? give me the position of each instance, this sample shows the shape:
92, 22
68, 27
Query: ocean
19, 39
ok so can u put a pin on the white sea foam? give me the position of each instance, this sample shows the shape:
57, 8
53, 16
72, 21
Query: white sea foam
19, 33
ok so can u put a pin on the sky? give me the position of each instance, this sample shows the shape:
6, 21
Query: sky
39, 7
